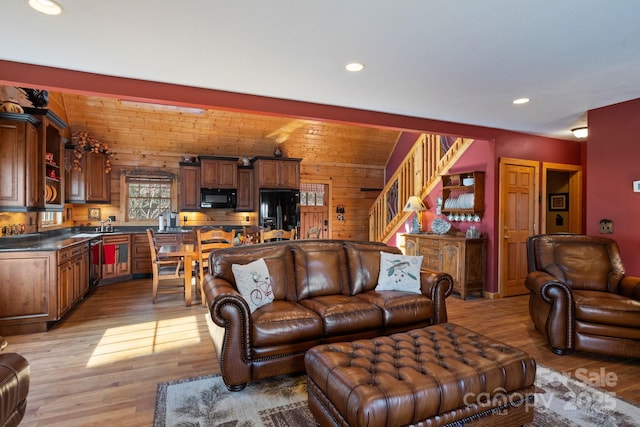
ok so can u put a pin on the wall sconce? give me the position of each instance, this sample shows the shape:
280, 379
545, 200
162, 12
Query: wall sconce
580, 132
340, 212
414, 204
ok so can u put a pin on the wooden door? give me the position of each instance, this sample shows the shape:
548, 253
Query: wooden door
314, 212
519, 210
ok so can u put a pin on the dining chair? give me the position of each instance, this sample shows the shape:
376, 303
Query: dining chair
275, 235
165, 269
251, 235
208, 239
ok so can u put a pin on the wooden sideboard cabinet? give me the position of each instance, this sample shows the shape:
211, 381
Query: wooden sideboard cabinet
464, 259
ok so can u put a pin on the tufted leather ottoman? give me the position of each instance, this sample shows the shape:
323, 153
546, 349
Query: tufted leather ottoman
432, 376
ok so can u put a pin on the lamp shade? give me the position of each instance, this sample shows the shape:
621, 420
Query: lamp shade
414, 204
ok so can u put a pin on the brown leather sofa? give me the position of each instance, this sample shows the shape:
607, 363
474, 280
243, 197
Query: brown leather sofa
580, 297
324, 292
15, 377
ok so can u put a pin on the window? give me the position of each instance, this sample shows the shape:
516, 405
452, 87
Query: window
148, 198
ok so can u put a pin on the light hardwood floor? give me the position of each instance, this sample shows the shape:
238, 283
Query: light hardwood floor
101, 364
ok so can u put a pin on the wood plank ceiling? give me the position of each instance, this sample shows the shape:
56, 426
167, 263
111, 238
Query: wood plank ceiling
132, 130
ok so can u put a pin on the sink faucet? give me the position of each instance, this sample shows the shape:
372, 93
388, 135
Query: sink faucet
108, 228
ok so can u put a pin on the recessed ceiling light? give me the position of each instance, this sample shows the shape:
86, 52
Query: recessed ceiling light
521, 101
48, 7
354, 66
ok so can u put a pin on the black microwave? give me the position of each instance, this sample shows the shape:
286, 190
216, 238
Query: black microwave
218, 198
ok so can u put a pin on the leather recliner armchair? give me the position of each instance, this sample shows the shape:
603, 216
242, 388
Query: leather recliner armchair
580, 297
15, 377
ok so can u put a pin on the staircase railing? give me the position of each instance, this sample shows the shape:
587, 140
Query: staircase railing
431, 156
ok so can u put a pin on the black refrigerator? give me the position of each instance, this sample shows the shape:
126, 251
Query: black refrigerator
279, 209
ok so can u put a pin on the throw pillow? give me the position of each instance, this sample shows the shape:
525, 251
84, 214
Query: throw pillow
399, 273
254, 283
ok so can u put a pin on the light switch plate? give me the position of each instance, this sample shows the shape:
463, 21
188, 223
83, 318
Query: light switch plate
636, 186
606, 226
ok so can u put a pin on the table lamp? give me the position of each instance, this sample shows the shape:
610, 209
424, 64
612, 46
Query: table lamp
414, 204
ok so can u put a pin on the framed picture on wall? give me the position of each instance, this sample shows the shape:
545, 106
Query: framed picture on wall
303, 198
311, 198
558, 201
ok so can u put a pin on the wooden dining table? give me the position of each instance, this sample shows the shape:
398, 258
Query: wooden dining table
188, 253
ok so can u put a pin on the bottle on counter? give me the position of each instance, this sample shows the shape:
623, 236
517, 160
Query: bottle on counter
161, 223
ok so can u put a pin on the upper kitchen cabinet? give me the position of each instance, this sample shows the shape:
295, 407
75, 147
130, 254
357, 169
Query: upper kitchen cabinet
51, 157
88, 181
277, 172
245, 189
21, 161
218, 172
189, 197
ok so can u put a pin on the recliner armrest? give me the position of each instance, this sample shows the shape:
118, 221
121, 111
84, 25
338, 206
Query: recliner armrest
630, 287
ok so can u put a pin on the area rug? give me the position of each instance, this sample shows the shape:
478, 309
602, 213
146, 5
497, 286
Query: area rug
282, 402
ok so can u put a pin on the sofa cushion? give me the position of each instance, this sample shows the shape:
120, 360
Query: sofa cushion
284, 321
399, 273
400, 308
320, 269
277, 256
253, 283
606, 308
344, 314
364, 264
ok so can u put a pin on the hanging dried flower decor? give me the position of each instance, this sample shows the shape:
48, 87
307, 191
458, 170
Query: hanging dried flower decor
84, 141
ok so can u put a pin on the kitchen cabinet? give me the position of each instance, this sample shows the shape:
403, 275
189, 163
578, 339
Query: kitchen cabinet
274, 173
245, 190
189, 197
140, 254
20, 163
73, 276
27, 291
141, 251
51, 157
463, 195
464, 259
218, 172
116, 260
37, 288
90, 183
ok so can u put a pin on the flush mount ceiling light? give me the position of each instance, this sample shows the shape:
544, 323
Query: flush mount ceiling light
48, 7
580, 132
354, 66
520, 101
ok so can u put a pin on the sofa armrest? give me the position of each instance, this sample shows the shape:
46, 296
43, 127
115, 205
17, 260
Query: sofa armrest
230, 333
553, 299
437, 286
630, 287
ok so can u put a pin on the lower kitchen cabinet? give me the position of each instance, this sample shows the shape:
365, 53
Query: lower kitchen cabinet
464, 259
73, 276
37, 288
116, 257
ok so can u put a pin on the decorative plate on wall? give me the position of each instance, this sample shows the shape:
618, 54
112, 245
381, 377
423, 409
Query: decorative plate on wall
440, 226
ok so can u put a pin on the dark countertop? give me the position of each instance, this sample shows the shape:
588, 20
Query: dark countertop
60, 239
